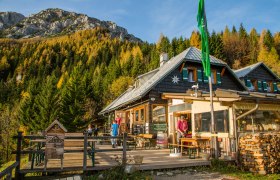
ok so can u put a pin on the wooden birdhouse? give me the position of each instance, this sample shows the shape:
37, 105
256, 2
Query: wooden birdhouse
55, 128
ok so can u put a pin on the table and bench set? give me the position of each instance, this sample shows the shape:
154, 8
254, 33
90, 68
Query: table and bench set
192, 146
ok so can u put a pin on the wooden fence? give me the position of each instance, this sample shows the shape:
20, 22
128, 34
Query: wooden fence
19, 173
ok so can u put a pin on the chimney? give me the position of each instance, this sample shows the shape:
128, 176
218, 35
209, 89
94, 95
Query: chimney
163, 58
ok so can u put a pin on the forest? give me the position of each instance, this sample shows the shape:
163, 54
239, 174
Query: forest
72, 77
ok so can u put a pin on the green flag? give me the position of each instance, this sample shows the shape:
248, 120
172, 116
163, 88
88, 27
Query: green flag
202, 25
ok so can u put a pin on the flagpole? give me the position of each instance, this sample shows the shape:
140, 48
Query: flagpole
214, 142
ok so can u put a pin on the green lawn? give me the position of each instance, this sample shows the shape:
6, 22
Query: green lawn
23, 161
233, 171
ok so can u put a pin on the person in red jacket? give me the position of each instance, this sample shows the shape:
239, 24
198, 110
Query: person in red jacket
182, 128
119, 120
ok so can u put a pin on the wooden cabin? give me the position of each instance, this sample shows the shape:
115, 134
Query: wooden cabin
178, 87
258, 78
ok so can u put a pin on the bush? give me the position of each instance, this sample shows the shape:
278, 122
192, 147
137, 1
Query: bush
119, 173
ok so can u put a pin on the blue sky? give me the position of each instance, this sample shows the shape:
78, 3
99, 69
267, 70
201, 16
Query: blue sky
146, 19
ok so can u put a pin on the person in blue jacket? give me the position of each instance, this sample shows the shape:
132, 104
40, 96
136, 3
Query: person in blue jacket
114, 133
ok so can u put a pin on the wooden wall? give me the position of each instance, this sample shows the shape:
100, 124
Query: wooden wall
261, 73
166, 85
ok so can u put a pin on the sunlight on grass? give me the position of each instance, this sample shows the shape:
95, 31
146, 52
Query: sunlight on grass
233, 171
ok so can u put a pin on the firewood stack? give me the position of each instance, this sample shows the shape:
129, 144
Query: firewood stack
260, 152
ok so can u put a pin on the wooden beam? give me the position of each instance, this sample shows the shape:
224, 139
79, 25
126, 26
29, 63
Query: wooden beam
190, 101
181, 67
223, 71
226, 94
226, 103
223, 99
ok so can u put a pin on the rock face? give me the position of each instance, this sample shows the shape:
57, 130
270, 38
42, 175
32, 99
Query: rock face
8, 19
52, 22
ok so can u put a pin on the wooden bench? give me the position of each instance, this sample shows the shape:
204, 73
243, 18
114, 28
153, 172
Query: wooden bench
192, 150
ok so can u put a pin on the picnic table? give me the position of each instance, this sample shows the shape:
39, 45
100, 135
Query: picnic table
195, 143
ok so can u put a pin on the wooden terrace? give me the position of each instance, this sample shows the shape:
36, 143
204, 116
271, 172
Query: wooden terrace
152, 159
84, 153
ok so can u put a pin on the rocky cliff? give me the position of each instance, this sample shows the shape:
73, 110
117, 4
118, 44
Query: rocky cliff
53, 22
8, 19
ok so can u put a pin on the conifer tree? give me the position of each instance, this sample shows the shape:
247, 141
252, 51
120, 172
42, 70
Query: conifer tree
47, 103
277, 42
216, 45
195, 40
253, 45
73, 100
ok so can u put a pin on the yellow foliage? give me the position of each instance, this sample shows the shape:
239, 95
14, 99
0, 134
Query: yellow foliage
137, 51
195, 40
4, 63
61, 80
125, 55
120, 85
25, 94
23, 129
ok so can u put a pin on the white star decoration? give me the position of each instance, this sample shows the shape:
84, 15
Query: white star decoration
175, 79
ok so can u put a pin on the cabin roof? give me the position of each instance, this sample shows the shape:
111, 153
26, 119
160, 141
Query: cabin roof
191, 54
58, 123
241, 73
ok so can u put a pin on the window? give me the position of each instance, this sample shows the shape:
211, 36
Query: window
260, 121
191, 75
214, 77
140, 114
137, 115
203, 121
255, 84
269, 87
159, 113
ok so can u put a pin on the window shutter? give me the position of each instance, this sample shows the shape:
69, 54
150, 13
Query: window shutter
205, 78
259, 86
185, 74
264, 85
249, 84
275, 88
199, 75
219, 81
246, 82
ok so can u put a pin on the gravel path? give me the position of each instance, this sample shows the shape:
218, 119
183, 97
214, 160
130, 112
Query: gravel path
190, 174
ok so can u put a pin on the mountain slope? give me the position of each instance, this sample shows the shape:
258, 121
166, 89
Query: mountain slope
52, 22
8, 19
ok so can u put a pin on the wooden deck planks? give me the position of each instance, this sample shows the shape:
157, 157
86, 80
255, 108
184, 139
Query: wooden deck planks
153, 159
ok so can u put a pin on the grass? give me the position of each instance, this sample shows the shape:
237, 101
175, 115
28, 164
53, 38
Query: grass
4, 166
24, 160
233, 171
217, 166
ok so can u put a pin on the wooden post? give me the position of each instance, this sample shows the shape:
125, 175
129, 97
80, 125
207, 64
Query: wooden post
85, 152
214, 134
19, 140
124, 149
